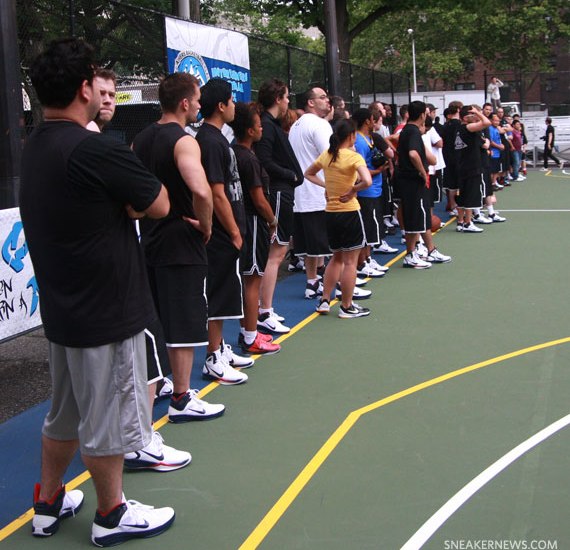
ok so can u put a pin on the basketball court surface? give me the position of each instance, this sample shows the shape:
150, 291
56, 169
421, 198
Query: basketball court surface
440, 421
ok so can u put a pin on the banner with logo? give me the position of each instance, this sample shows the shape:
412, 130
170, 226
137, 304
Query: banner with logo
208, 52
19, 300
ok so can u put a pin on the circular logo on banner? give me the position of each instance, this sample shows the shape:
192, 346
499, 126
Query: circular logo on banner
192, 63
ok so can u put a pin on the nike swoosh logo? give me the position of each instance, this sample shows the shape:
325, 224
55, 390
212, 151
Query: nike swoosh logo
156, 457
218, 374
143, 525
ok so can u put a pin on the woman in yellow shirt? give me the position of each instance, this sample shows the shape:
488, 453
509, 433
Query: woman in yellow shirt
345, 174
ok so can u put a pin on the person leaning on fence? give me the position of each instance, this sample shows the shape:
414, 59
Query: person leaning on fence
75, 212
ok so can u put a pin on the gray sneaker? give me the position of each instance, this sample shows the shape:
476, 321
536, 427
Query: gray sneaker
436, 257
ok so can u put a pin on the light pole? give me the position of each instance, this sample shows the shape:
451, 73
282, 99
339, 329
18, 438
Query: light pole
411, 33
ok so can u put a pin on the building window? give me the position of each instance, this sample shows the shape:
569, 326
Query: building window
551, 84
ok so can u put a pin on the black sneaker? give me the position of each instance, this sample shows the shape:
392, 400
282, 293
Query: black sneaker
130, 520
48, 515
353, 311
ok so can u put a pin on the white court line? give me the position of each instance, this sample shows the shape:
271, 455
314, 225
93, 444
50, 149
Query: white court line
422, 535
537, 210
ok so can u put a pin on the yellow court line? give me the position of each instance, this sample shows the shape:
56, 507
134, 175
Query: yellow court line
161, 422
279, 508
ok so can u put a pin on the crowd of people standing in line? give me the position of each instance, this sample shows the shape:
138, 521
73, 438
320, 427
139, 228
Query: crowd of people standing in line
176, 234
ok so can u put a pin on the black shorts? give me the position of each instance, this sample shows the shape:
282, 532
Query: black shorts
415, 206
310, 234
282, 203
471, 189
371, 212
488, 187
449, 181
224, 287
496, 166
435, 186
179, 293
255, 246
345, 230
157, 364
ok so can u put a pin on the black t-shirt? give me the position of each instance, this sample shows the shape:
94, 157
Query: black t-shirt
251, 174
170, 240
88, 264
220, 165
468, 147
450, 129
549, 130
485, 159
411, 140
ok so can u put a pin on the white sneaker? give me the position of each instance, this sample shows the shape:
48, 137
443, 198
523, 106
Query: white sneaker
190, 407
412, 260
269, 322
157, 456
47, 517
358, 293
482, 219
497, 219
366, 270
395, 221
378, 266
359, 281
453, 212
164, 390
544, 169
313, 290
459, 228
520, 178
436, 257
234, 360
385, 248
217, 368
472, 228
128, 521
276, 315
421, 250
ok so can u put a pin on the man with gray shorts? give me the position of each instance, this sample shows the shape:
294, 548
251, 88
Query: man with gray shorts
95, 299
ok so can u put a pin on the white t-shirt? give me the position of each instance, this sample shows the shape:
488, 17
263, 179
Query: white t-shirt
309, 137
434, 137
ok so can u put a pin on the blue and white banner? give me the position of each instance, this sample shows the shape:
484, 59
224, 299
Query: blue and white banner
19, 299
208, 52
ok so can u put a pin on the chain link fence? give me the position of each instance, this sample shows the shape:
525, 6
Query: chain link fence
130, 40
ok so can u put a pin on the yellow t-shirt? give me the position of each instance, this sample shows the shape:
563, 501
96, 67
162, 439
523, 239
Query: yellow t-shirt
340, 176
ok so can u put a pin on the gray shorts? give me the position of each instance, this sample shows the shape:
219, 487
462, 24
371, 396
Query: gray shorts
100, 397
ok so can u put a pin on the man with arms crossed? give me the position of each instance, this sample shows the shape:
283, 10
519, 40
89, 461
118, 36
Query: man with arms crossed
95, 297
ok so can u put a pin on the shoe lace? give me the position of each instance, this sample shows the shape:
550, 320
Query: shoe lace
158, 440
194, 396
136, 510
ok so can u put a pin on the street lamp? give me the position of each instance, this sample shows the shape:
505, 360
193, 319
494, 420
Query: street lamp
411, 33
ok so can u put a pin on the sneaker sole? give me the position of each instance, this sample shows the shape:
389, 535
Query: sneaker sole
274, 330
131, 466
262, 352
119, 538
223, 381
416, 266
356, 316
181, 418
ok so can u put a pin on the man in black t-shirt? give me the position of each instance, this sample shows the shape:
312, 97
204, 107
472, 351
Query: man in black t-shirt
95, 300
224, 286
175, 247
549, 145
413, 183
471, 182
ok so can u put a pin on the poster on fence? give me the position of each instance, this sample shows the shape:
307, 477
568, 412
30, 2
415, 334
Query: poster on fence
208, 52
19, 301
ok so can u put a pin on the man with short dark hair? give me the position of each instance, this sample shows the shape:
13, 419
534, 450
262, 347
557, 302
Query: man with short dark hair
75, 212
224, 286
414, 190
549, 145
309, 137
471, 182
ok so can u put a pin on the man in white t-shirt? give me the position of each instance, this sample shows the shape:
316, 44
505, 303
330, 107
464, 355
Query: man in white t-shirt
309, 137
494, 92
